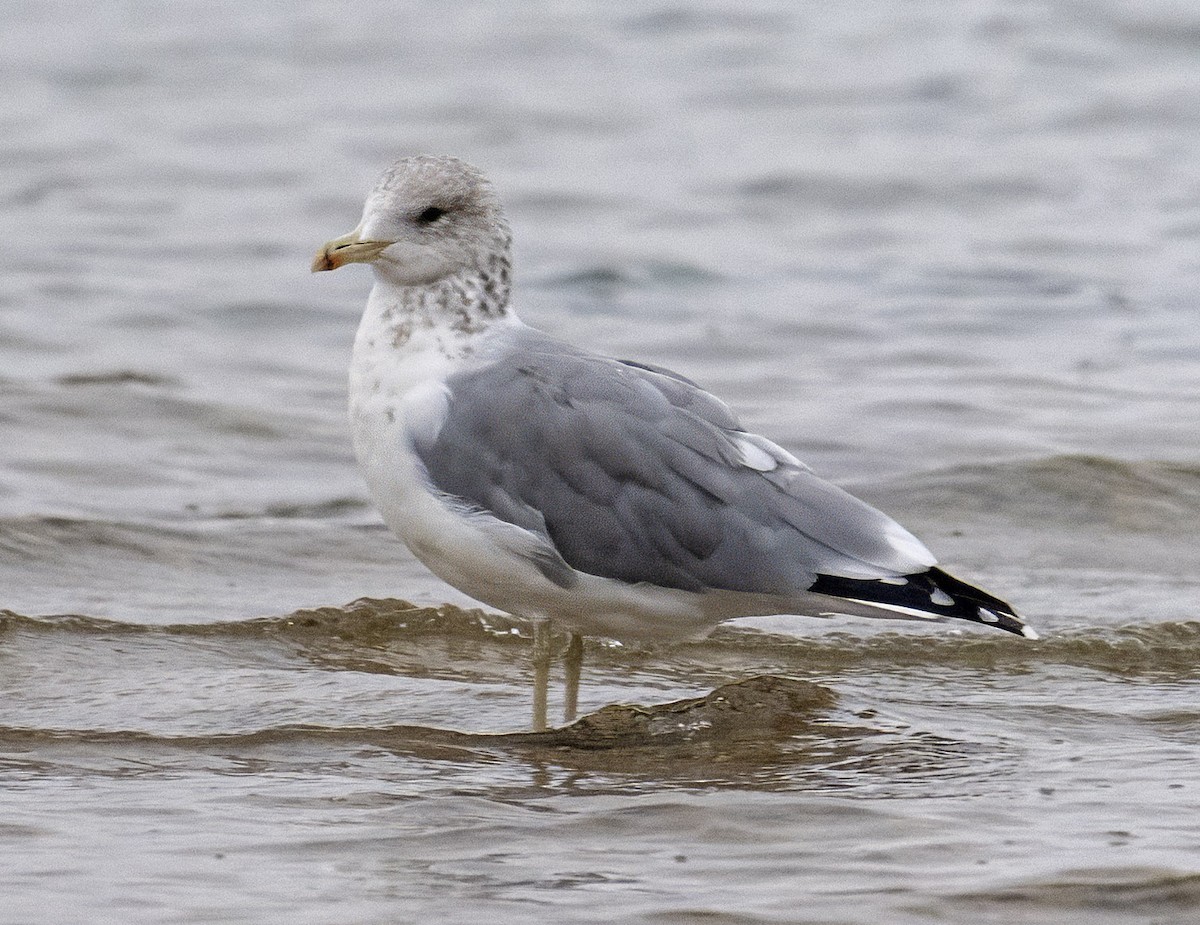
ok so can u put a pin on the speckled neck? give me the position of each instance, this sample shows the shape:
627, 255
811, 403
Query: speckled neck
458, 306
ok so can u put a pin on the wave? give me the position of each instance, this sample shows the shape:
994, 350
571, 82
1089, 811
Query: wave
745, 707
1148, 893
770, 730
763, 732
1134, 649
1134, 495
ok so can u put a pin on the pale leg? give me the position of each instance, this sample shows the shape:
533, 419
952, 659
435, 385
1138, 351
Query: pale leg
573, 664
541, 672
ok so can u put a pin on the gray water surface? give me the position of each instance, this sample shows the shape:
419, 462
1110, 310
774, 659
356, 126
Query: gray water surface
945, 253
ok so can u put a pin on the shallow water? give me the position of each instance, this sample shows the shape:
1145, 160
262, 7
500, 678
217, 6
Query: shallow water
945, 253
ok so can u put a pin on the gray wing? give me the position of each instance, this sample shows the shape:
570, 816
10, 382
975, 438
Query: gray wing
634, 473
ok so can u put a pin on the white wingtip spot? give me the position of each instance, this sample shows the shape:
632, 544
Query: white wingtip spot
941, 598
1028, 633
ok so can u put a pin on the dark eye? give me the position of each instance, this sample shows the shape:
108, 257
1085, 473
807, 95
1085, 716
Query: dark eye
430, 215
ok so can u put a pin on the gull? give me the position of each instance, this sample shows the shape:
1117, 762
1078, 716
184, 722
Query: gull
611, 497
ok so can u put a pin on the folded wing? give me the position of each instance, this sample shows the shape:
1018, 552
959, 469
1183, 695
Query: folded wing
634, 473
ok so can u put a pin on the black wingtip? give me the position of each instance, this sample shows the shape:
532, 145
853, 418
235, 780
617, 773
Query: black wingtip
976, 605
934, 593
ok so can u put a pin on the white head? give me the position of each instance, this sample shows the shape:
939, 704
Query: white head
426, 220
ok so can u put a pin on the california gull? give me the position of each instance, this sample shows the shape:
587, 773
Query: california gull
613, 497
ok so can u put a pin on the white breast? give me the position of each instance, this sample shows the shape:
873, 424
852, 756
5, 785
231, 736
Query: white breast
397, 388
398, 392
